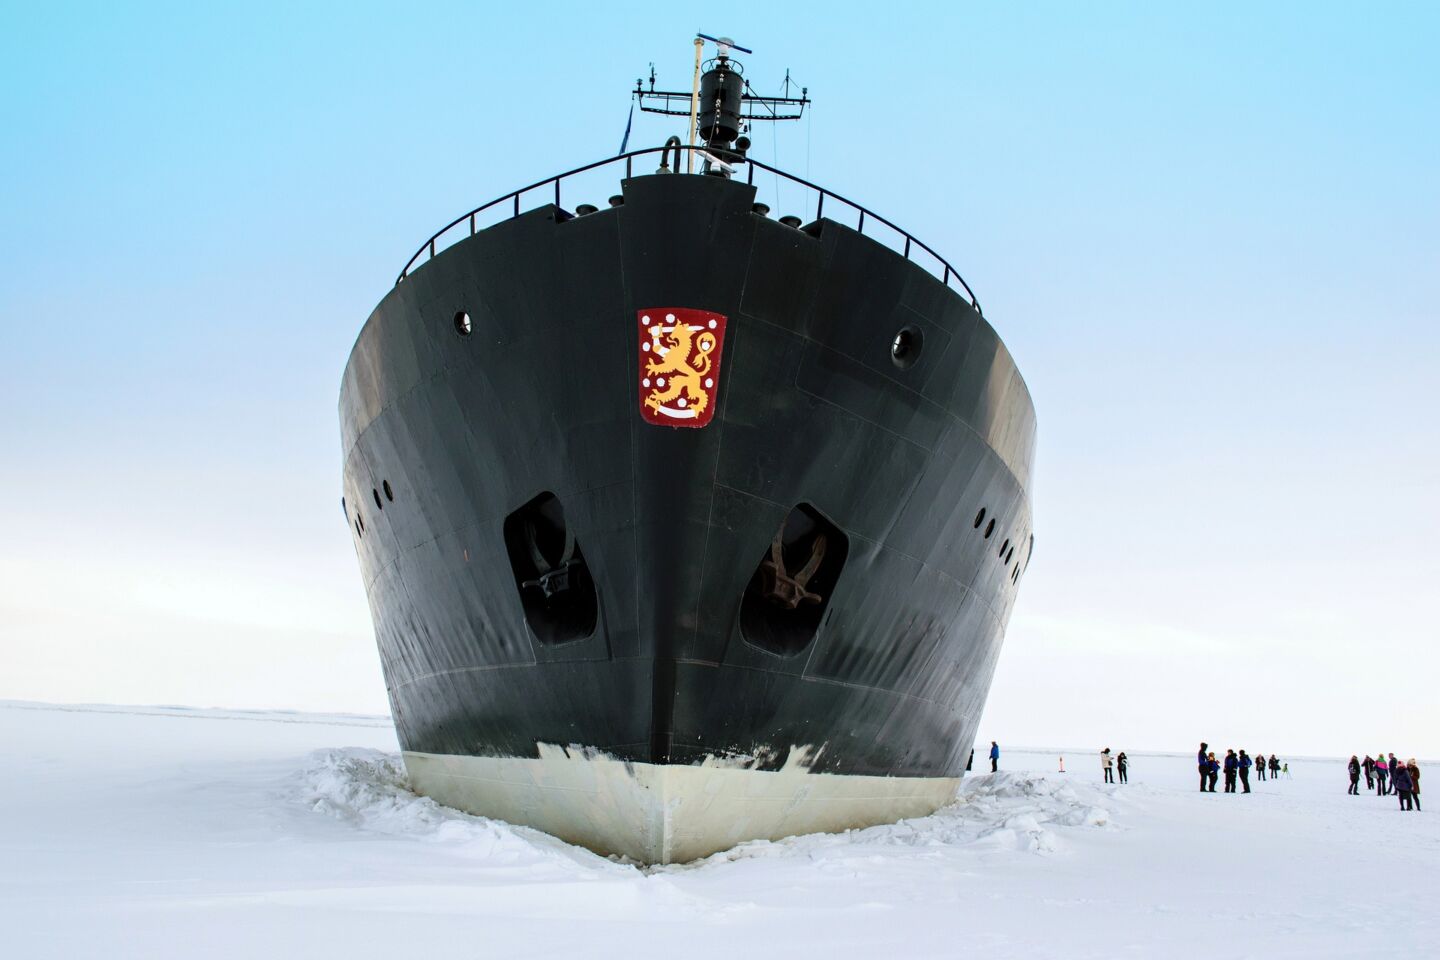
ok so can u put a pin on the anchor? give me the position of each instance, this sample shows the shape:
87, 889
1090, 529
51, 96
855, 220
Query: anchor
783, 589
554, 578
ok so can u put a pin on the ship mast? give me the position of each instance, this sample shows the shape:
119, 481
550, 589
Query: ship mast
694, 104
720, 106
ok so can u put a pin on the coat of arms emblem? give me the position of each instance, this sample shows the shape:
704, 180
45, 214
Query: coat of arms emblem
679, 365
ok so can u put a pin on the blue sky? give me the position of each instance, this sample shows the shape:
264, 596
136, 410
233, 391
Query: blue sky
1210, 237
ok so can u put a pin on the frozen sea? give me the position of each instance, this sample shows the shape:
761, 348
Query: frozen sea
171, 832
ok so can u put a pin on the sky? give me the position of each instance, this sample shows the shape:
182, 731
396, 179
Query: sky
1210, 236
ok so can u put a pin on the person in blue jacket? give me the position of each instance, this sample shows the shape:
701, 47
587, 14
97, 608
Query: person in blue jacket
994, 756
1212, 769
1245, 763
1204, 765
1232, 763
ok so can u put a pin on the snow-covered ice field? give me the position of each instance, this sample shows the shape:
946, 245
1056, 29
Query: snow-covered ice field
169, 832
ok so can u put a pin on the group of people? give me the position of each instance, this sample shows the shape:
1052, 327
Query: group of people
1117, 764
1389, 775
1236, 766
1384, 774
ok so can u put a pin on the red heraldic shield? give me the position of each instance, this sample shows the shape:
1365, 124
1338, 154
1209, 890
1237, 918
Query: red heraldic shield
679, 365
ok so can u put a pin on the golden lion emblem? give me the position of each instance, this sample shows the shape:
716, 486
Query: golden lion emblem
678, 374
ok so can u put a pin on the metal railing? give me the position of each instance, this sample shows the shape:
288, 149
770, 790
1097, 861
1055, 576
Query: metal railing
945, 272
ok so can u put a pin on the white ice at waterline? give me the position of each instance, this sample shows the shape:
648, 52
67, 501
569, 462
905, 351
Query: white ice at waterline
367, 788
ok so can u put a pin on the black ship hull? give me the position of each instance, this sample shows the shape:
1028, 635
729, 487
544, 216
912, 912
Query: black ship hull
493, 436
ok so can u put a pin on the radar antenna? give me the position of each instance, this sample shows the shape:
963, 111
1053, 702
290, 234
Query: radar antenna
720, 105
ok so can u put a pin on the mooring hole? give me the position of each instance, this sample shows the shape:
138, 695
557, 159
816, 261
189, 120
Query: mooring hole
551, 576
790, 591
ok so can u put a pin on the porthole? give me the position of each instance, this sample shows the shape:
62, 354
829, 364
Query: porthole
360, 520
989, 529
1003, 547
389, 494
905, 347
462, 324
358, 533
1010, 556
1015, 574
376, 494
979, 518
